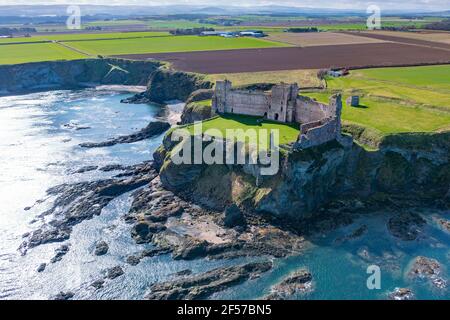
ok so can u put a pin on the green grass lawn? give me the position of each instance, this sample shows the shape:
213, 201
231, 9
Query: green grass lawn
170, 44
287, 132
22, 53
84, 36
393, 100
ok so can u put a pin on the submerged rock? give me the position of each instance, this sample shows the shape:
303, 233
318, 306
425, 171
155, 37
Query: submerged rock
182, 273
112, 167
203, 285
41, 267
296, 283
428, 269
86, 169
114, 272
98, 284
153, 129
59, 253
64, 295
445, 224
406, 225
357, 233
401, 294
101, 248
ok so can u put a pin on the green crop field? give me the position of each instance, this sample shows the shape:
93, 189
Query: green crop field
169, 44
393, 100
84, 36
22, 53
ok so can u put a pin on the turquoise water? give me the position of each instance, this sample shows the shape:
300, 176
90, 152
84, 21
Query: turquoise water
39, 149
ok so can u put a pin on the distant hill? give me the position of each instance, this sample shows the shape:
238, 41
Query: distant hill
60, 10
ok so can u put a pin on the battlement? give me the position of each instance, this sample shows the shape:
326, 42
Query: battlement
319, 122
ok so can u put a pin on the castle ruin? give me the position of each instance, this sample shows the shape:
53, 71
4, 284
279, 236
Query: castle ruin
319, 123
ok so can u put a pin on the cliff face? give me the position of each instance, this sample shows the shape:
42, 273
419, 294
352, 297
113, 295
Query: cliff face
195, 111
166, 85
409, 167
55, 75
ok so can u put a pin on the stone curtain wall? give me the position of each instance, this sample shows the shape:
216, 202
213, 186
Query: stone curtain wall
328, 128
308, 110
248, 103
317, 135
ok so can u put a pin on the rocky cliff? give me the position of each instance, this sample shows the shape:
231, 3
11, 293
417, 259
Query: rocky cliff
42, 76
166, 85
405, 168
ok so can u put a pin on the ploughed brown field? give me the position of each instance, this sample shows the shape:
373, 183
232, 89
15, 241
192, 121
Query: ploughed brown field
409, 38
293, 58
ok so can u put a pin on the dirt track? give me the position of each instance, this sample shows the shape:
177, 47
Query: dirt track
272, 59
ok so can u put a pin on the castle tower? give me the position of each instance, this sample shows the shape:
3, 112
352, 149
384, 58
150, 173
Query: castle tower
283, 102
335, 107
219, 100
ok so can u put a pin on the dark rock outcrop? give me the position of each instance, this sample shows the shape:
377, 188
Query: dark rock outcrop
428, 269
101, 248
406, 225
233, 217
60, 253
114, 272
296, 283
41, 267
445, 224
77, 202
153, 129
204, 285
64, 295
401, 294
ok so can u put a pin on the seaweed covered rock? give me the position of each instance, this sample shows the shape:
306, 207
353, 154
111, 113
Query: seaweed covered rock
201, 286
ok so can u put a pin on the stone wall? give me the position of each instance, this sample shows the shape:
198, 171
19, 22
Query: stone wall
316, 132
278, 105
309, 110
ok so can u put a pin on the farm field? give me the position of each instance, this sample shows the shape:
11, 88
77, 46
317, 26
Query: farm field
397, 38
443, 36
394, 100
170, 44
22, 53
295, 58
319, 39
83, 36
304, 78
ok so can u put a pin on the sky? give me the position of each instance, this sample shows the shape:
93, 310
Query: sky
405, 5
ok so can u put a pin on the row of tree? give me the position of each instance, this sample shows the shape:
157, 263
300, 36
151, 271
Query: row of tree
4, 31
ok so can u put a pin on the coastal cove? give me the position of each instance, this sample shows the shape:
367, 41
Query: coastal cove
135, 247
